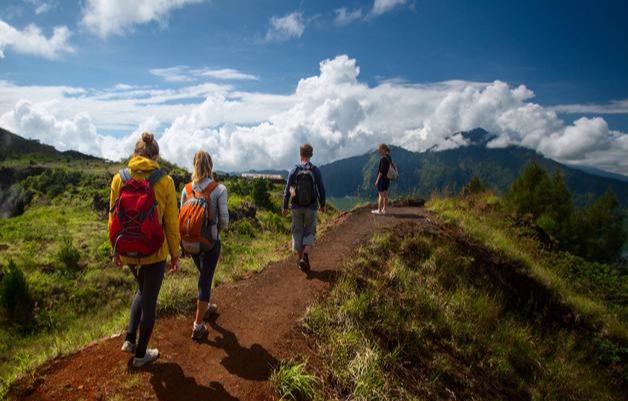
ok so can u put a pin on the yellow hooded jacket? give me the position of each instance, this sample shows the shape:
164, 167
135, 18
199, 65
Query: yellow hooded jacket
167, 209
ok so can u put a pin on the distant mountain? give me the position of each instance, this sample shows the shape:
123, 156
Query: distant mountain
426, 172
13, 146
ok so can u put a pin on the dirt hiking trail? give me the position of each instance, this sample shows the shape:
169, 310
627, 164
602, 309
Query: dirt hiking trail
245, 342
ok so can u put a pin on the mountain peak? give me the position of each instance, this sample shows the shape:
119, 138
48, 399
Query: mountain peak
476, 136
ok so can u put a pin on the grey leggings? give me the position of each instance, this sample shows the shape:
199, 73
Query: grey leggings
149, 278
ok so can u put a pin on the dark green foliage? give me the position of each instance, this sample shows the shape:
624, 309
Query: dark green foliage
475, 186
599, 230
68, 255
261, 193
52, 183
594, 232
15, 297
258, 188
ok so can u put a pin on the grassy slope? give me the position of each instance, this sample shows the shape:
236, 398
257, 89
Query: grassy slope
66, 298
415, 316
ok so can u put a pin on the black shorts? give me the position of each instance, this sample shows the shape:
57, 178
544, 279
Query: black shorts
383, 184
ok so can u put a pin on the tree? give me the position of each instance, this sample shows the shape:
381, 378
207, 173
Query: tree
599, 230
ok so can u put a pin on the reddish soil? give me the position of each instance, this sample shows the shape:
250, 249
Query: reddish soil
253, 330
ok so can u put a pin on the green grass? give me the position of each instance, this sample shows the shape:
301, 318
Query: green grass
292, 382
412, 318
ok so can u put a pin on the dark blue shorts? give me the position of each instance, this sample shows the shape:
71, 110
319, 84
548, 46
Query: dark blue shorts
383, 184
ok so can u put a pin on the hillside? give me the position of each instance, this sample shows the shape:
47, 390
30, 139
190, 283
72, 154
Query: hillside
424, 173
15, 147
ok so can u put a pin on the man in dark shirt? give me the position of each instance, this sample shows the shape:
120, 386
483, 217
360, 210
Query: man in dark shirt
305, 192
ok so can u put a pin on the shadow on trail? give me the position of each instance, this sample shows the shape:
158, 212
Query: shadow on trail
327, 276
254, 363
171, 384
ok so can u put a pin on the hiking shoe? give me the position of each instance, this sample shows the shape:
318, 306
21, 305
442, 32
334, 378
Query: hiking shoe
200, 333
307, 262
375, 211
151, 355
212, 309
304, 265
128, 346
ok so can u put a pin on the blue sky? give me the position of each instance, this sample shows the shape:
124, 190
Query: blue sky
570, 56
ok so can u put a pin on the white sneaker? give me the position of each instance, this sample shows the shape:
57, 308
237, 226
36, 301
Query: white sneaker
383, 211
375, 211
151, 355
129, 347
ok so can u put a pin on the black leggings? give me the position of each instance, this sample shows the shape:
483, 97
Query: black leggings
206, 264
149, 278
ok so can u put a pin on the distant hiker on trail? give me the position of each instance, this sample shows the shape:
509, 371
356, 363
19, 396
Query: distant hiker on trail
306, 192
386, 172
142, 237
203, 214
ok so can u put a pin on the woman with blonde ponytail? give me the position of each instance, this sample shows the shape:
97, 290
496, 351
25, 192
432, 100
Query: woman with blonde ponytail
204, 192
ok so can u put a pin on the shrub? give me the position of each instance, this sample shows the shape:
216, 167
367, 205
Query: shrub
475, 186
15, 296
292, 382
260, 192
68, 255
243, 227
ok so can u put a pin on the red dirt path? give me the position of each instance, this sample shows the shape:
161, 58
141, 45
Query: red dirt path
245, 342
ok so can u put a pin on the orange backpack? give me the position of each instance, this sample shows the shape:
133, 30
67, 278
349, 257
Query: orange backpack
196, 220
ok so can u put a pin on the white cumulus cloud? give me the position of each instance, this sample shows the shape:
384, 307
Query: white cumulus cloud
32, 41
286, 27
383, 6
115, 17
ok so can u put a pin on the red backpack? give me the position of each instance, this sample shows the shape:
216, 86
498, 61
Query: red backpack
135, 229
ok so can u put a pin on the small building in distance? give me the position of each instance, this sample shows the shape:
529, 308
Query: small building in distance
272, 177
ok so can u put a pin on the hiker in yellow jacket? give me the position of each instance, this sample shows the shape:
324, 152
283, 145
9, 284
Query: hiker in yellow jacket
151, 269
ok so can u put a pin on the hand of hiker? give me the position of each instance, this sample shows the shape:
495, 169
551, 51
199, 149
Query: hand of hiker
284, 212
117, 261
174, 264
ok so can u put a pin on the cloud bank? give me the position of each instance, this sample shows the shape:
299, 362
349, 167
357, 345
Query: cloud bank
337, 113
32, 41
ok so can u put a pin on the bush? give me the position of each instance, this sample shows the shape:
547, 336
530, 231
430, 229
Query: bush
68, 255
260, 192
15, 296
